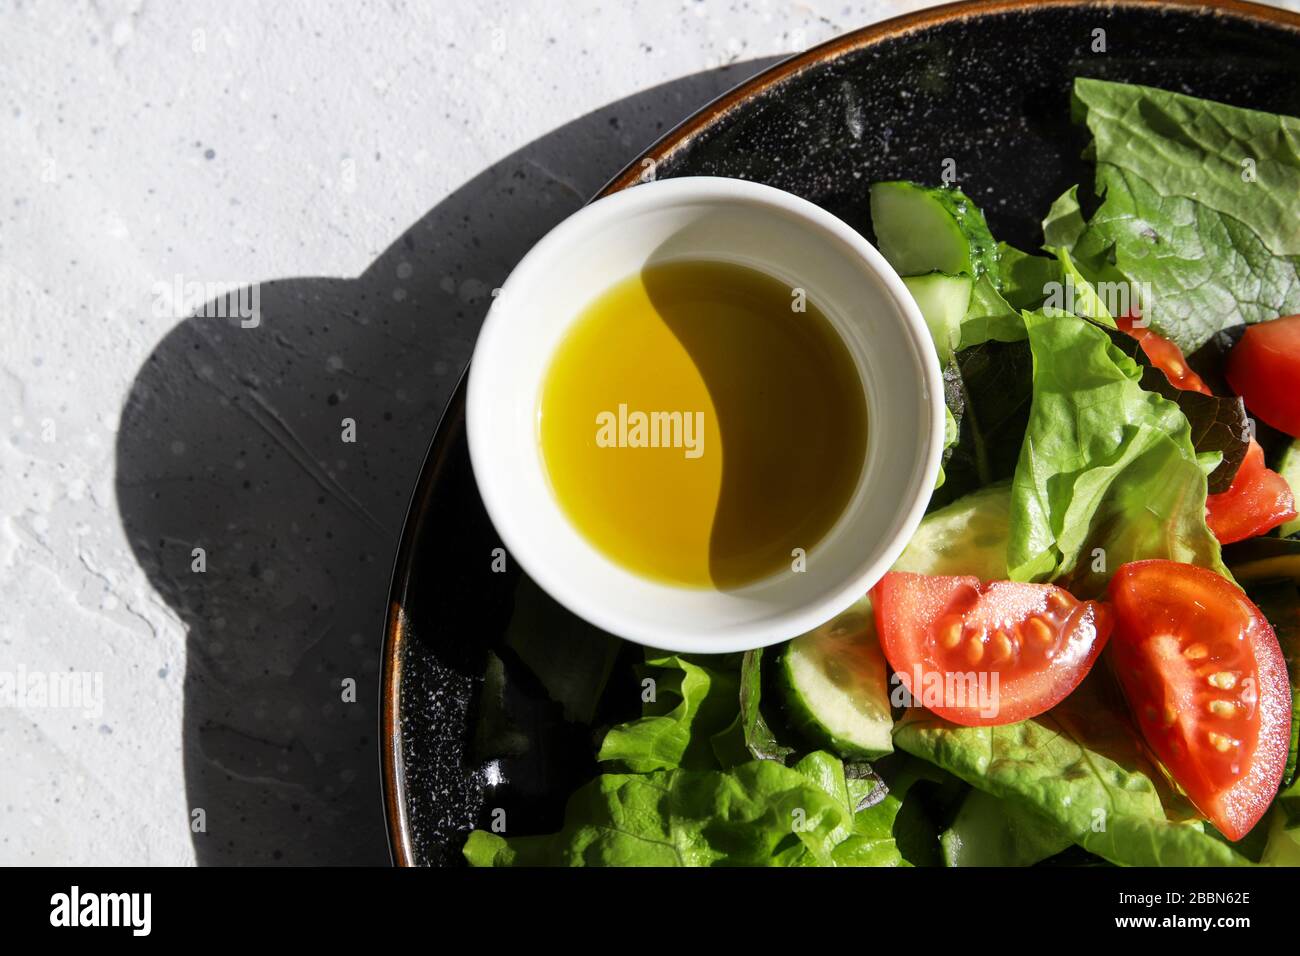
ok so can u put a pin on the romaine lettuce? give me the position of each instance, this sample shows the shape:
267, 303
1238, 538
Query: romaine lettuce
992, 832
685, 790
687, 704
1201, 206
1080, 768
759, 813
1107, 472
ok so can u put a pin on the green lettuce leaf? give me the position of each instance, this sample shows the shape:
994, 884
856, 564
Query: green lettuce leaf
760, 813
1021, 281
1201, 207
1107, 472
989, 387
1283, 847
1025, 279
989, 317
950, 434
987, 379
1079, 769
1219, 425
1077, 294
992, 832
1064, 223
694, 701
757, 734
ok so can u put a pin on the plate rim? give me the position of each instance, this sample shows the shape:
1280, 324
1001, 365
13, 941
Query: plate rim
392, 761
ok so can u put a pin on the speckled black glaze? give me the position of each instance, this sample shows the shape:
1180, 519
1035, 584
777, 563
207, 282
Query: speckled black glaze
984, 87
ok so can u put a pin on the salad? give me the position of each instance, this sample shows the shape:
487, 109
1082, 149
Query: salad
1088, 653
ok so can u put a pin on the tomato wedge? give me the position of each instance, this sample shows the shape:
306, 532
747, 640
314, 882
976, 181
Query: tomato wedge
1259, 499
1264, 368
1206, 681
1164, 355
986, 654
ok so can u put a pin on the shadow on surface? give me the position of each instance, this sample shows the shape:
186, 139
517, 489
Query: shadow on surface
233, 440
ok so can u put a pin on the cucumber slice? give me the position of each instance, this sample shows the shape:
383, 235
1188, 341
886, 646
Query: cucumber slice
836, 685
969, 536
920, 229
943, 301
1289, 468
835, 678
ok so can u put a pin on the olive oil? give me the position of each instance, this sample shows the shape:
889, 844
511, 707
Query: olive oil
700, 422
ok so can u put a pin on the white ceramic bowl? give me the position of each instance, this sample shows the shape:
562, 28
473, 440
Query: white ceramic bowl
748, 224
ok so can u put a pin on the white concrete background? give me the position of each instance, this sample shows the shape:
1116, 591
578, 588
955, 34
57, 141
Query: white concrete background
141, 141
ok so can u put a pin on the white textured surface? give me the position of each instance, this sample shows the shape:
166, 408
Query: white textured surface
145, 141
403, 156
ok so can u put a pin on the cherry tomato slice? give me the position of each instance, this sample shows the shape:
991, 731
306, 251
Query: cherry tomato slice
1257, 501
1264, 369
1206, 681
986, 654
1164, 355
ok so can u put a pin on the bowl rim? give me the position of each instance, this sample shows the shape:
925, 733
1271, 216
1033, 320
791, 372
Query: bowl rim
392, 761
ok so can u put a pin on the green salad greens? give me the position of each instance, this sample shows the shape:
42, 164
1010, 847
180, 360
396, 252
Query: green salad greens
1105, 467
1198, 206
676, 793
1069, 454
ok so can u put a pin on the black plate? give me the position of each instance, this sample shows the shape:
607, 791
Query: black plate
983, 86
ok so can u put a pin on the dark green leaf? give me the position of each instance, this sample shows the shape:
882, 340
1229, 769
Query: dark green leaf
759, 738
571, 658
988, 389
496, 733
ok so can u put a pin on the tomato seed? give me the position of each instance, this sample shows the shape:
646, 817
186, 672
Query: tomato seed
1223, 708
1222, 743
1038, 630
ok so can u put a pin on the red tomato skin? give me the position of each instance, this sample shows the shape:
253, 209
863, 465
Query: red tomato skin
1257, 501
1134, 589
901, 599
1264, 369
1164, 355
